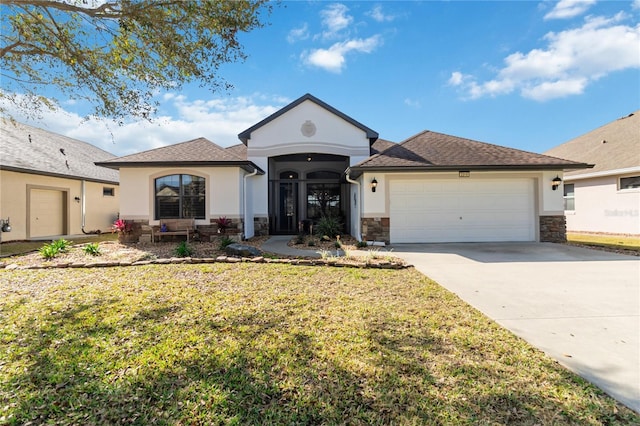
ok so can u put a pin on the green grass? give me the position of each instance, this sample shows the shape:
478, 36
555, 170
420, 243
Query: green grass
21, 247
612, 241
269, 344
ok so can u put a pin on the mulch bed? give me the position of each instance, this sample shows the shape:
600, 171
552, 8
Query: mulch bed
113, 253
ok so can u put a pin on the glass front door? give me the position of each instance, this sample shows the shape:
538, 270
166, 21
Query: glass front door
287, 221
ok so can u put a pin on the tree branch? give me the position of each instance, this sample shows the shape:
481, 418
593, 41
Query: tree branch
105, 10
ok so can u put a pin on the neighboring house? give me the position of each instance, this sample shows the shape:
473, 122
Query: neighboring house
606, 198
50, 186
308, 160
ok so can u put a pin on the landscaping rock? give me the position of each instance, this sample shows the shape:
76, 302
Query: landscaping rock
242, 250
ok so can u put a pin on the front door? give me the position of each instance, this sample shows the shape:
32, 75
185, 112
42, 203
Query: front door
287, 218
304, 188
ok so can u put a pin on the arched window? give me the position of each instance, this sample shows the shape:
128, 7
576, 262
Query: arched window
288, 175
180, 197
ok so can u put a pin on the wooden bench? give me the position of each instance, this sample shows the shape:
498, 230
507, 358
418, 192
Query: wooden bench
173, 227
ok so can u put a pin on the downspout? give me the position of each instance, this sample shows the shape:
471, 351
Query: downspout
83, 206
244, 201
358, 225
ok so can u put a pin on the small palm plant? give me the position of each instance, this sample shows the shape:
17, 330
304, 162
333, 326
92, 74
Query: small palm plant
183, 250
92, 249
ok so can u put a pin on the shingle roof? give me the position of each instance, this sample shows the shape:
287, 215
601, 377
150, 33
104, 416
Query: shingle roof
246, 135
239, 150
380, 145
196, 152
30, 149
614, 146
436, 151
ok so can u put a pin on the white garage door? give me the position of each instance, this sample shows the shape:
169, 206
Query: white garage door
46, 213
461, 210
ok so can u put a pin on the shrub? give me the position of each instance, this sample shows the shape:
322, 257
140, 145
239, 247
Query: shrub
92, 249
122, 226
311, 243
49, 251
328, 225
362, 244
223, 223
183, 250
61, 245
224, 242
300, 238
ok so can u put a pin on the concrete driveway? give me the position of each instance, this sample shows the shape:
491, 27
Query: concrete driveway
580, 306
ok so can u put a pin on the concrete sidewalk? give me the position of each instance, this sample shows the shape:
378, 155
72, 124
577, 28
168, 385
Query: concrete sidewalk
579, 306
278, 244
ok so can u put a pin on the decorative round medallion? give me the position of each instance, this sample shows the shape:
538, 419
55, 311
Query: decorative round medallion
308, 129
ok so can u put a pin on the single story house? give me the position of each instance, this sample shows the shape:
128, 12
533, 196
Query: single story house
606, 198
50, 186
310, 160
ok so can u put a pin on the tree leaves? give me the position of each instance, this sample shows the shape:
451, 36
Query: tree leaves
117, 54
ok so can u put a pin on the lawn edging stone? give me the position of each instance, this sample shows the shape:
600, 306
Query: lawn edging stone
336, 263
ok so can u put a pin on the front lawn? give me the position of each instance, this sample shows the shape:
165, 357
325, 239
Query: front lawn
622, 242
269, 344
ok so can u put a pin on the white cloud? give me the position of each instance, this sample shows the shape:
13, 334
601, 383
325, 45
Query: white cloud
333, 58
219, 120
570, 61
379, 16
412, 103
456, 78
635, 5
565, 9
297, 34
335, 19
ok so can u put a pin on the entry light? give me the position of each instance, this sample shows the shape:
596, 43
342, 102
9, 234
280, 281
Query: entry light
555, 182
374, 185
5, 225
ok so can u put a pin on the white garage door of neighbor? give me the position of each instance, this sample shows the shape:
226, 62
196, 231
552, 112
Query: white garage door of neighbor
46, 213
460, 210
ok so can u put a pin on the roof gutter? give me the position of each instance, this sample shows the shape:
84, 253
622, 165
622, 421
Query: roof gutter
246, 165
357, 170
359, 217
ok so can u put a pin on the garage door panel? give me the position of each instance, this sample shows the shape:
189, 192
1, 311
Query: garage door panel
46, 213
462, 211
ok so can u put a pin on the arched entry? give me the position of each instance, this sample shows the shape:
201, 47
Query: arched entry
305, 187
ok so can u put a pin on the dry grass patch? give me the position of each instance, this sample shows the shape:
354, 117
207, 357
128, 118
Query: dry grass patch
269, 344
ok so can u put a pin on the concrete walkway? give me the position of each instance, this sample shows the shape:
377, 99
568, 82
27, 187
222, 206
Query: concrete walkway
278, 244
580, 306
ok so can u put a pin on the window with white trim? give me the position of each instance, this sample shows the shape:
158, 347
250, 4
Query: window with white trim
569, 197
180, 197
108, 192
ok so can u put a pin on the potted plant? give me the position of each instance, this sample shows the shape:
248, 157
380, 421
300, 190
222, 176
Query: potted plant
124, 230
223, 224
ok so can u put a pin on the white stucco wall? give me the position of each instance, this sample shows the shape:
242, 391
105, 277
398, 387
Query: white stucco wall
601, 207
284, 135
223, 191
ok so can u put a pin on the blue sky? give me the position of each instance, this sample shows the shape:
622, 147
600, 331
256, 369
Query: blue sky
524, 74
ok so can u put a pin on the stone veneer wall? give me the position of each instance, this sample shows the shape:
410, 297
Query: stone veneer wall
553, 229
375, 229
261, 226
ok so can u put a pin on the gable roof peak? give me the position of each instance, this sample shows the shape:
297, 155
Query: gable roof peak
246, 135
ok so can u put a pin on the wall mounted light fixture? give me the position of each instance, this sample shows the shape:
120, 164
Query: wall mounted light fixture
555, 182
77, 199
5, 226
374, 185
